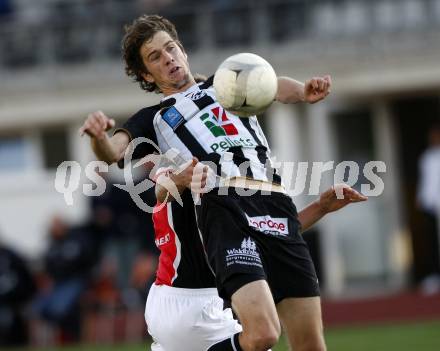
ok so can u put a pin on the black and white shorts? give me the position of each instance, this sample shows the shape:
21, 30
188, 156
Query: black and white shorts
249, 238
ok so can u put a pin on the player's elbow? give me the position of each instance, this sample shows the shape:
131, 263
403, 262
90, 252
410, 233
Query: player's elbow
109, 159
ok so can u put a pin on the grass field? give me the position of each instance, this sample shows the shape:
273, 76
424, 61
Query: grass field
403, 337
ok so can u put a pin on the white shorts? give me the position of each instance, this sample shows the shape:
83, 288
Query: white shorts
187, 319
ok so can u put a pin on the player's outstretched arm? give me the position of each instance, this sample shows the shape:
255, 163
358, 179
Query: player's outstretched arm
107, 149
334, 199
291, 91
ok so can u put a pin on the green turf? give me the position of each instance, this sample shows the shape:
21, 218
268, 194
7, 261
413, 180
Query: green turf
402, 337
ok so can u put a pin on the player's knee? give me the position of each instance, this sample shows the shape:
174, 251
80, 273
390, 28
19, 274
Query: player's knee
269, 339
263, 340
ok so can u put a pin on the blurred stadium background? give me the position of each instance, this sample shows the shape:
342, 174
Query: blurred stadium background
60, 60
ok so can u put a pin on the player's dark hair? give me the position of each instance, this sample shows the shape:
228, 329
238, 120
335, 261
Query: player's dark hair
142, 30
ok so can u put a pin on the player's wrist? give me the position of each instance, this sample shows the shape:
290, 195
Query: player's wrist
101, 137
320, 207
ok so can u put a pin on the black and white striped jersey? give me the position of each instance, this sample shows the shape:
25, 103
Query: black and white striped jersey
194, 124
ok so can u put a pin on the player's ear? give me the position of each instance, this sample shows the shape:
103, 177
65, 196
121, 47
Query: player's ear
148, 77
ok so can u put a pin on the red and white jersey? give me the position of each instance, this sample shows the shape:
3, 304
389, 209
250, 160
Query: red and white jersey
182, 260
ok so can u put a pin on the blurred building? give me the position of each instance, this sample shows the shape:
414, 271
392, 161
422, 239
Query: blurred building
60, 60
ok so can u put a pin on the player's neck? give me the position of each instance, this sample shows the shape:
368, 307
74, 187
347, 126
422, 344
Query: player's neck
179, 88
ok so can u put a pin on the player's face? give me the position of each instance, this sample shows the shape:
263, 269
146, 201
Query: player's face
166, 63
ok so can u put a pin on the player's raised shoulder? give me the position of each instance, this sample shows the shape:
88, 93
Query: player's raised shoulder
149, 111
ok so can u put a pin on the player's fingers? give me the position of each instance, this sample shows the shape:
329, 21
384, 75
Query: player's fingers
328, 79
199, 180
81, 131
101, 115
89, 126
354, 195
203, 181
86, 128
348, 190
359, 200
94, 117
194, 161
110, 123
314, 83
95, 126
309, 85
325, 86
187, 166
102, 120
197, 172
340, 190
359, 197
320, 84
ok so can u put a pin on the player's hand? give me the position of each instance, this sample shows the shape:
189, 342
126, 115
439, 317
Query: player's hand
183, 176
96, 124
317, 89
337, 197
193, 175
203, 179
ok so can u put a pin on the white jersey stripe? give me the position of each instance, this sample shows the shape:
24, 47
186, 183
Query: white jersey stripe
176, 261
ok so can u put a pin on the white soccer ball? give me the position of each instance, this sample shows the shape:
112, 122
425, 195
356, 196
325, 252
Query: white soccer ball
245, 84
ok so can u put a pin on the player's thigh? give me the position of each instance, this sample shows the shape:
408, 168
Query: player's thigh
253, 303
301, 319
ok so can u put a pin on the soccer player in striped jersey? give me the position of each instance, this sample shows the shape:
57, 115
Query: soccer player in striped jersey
253, 243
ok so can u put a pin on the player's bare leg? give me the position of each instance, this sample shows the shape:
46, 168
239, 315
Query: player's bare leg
254, 306
302, 322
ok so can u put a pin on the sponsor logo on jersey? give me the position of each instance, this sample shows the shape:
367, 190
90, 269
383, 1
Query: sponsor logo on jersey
163, 240
218, 122
173, 118
196, 95
246, 255
220, 126
227, 143
269, 225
